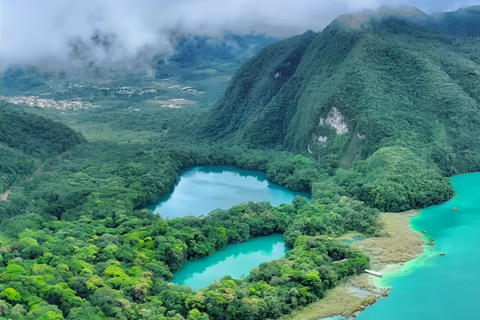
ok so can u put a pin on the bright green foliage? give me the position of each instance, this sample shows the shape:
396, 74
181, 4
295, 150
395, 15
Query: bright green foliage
50, 315
10, 294
114, 271
94, 282
12, 272
194, 314
131, 280
76, 243
42, 269
312, 277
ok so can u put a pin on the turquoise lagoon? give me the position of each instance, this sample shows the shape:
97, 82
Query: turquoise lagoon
429, 287
202, 189
433, 286
354, 239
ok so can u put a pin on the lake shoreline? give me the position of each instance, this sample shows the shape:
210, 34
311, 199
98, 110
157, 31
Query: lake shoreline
398, 244
235, 260
201, 189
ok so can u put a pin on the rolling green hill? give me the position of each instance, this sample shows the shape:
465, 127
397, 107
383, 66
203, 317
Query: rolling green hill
25, 139
388, 87
35, 135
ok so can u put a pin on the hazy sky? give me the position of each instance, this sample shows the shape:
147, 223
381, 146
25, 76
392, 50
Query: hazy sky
31, 29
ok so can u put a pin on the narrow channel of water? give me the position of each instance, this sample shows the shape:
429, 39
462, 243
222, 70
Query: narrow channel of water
354, 239
433, 286
235, 260
202, 189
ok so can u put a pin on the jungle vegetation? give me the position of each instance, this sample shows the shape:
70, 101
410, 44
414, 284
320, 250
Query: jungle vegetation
76, 243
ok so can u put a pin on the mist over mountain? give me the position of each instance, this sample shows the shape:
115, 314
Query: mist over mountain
198, 51
91, 37
97, 57
463, 22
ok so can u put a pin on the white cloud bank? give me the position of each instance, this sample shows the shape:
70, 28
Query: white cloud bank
32, 30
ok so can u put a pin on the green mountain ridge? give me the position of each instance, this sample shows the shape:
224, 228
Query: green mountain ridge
463, 22
396, 79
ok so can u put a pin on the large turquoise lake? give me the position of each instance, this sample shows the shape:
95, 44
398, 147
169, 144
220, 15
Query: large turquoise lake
435, 287
235, 260
202, 189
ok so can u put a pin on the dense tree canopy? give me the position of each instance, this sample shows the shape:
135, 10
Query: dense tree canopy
366, 118
350, 96
77, 244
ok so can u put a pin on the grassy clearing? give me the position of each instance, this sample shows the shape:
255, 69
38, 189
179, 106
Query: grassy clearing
99, 132
338, 301
399, 243
350, 236
4, 196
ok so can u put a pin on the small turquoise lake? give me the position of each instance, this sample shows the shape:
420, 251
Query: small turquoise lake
235, 260
202, 189
432, 286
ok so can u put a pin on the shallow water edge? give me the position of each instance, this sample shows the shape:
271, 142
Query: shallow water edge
389, 254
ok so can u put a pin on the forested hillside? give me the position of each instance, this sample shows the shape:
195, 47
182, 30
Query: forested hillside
391, 87
25, 139
34, 135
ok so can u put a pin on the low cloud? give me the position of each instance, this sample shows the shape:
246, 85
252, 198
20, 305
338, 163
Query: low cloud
108, 32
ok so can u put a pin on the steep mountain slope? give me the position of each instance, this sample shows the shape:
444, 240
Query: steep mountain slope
256, 85
396, 79
464, 22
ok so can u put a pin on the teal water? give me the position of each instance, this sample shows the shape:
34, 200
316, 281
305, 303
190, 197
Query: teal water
202, 189
352, 241
234, 260
435, 287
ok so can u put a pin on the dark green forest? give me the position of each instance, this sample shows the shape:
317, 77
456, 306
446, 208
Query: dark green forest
362, 98
366, 118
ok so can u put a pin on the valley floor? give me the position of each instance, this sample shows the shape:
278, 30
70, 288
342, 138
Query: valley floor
397, 245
